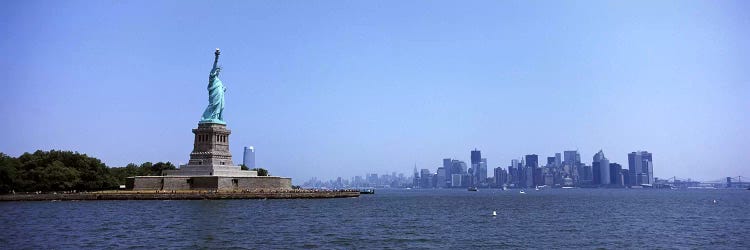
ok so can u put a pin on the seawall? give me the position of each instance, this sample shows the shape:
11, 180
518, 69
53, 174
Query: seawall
182, 195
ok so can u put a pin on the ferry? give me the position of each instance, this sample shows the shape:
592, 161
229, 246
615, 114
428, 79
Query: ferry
367, 191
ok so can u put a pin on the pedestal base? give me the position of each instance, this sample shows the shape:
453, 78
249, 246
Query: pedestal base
211, 170
208, 183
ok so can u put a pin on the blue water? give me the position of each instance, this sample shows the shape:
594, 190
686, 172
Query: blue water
579, 218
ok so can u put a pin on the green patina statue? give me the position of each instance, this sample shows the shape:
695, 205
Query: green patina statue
214, 111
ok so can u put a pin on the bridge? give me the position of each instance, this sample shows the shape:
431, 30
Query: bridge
728, 182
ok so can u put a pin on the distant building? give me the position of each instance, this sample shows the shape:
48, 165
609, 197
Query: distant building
441, 177
476, 156
448, 168
615, 174
532, 170
248, 157
501, 176
600, 167
532, 160
425, 178
417, 180
641, 168
572, 158
481, 172
550, 161
456, 180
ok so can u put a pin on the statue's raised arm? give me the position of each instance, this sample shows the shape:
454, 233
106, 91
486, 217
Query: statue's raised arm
216, 58
214, 111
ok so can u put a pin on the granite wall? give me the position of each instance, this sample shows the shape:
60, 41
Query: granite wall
208, 183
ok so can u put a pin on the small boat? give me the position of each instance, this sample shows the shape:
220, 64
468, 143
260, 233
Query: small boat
367, 191
522, 192
537, 188
473, 189
494, 213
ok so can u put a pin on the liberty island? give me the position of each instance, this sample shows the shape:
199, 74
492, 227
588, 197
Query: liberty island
210, 166
209, 174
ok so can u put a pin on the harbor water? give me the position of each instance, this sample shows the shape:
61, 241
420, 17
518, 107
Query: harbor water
455, 218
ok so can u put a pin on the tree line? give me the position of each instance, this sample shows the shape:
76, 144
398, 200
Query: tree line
55, 170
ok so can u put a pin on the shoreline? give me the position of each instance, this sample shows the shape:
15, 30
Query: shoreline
181, 195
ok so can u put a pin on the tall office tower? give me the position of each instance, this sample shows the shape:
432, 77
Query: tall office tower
532, 161
538, 177
641, 168
459, 167
425, 178
248, 158
600, 166
532, 175
571, 157
501, 177
448, 166
558, 160
615, 175
512, 176
481, 171
476, 156
441, 177
529, 176
550, 162
416, 181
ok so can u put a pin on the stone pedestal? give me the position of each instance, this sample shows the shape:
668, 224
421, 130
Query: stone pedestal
211, 155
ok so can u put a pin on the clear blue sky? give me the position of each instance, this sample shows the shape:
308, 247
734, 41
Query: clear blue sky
343, 88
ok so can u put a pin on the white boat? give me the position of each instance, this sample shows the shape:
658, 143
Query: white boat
494, 213
522, 192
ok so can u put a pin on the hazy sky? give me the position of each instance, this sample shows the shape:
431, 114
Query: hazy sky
343, 88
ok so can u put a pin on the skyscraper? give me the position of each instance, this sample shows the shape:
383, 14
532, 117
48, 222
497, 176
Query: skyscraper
476, 156
640, 168
571, 158
532, 170
550, 161
425, 178
501, 176
532, 160
600, 167
248, 157
481, 172
615, 176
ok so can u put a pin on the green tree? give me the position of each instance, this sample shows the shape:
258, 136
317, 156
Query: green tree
120, 174
261, 171
57, 176
61, 170
8, 172
243, 167
159, 167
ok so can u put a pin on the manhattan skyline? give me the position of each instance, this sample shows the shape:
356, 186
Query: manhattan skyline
332, 89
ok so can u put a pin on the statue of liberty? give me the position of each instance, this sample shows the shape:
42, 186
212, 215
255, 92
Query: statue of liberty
214, 111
